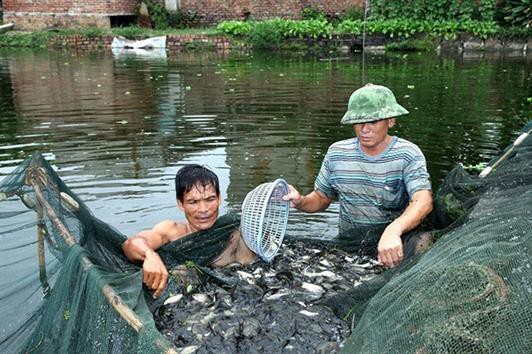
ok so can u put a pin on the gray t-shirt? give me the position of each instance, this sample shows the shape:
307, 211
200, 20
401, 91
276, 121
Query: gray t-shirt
372, 189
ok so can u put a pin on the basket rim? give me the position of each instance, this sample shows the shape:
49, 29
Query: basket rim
256, 247
271, 188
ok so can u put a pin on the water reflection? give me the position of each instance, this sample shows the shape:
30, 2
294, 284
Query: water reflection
118, 127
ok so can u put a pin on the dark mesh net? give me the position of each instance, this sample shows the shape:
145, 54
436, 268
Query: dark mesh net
66, 286
472, 291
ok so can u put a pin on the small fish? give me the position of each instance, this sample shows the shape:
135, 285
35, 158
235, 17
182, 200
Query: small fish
277, 295
257, 271
246, 276
203, 298
189, 350
173, 299
325, 263
325, 274
208, 318
308, 313
313, 288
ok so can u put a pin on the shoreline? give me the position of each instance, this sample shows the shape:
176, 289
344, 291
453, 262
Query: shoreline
212, 41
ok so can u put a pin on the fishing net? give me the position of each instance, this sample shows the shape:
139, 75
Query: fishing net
472, 291
66, 286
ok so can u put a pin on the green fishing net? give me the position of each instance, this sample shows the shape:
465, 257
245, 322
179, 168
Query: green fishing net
471, 292
66, 286
65, 283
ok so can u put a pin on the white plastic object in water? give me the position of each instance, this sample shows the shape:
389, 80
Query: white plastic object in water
148, 43
264, 218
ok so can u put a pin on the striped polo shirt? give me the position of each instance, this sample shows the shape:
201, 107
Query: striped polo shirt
372, 189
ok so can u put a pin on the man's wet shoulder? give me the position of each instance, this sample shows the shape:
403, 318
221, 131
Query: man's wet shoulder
171, 229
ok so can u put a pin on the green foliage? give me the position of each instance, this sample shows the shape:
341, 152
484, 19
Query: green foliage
269, 33
434, 10
419, 45
175, 19
265, 35
480, 29
517, 12
132, 32
312, 13
199, 46
273, 31
92, 32
353, 13
355, 27
406, 28
479, 167
31, 40
162, 19
41, 39
304, 29
234, 28
157, 15
193, 265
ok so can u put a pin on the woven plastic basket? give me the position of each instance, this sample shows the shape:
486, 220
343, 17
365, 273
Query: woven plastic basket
264, 218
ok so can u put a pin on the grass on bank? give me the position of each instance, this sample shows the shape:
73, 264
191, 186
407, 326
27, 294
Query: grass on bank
405, 34
40, 39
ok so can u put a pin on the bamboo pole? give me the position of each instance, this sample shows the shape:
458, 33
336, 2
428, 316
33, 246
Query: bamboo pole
40, 242
43, 203
112, 297
517, 142
69, 202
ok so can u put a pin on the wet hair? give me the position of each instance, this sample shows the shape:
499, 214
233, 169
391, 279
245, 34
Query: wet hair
190, 176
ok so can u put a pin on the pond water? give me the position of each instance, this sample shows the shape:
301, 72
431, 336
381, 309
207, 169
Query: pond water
118, 127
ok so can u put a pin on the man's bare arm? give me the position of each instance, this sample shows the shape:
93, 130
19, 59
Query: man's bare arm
310, 203
142, 247
390, 248
148, 240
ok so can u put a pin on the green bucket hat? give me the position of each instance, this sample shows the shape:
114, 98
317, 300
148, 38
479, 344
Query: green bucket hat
371, 103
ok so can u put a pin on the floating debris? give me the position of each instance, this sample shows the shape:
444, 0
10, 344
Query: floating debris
265, 307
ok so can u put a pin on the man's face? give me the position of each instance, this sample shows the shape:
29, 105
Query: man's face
200, 206
373, 135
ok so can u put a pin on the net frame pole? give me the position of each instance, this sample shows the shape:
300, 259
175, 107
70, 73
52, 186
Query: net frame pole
110, 294
517, 142
41, 231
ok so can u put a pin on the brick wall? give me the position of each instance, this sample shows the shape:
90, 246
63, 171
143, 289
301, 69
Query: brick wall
40, 14
214, 11
72, 6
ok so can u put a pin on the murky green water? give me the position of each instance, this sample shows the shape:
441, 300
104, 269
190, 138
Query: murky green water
117, 128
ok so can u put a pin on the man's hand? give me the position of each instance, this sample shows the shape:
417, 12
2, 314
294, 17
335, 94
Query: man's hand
155, 273
311, 203
293, 196
390, 248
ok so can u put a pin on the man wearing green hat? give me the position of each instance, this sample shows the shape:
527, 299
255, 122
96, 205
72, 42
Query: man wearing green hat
377, 178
